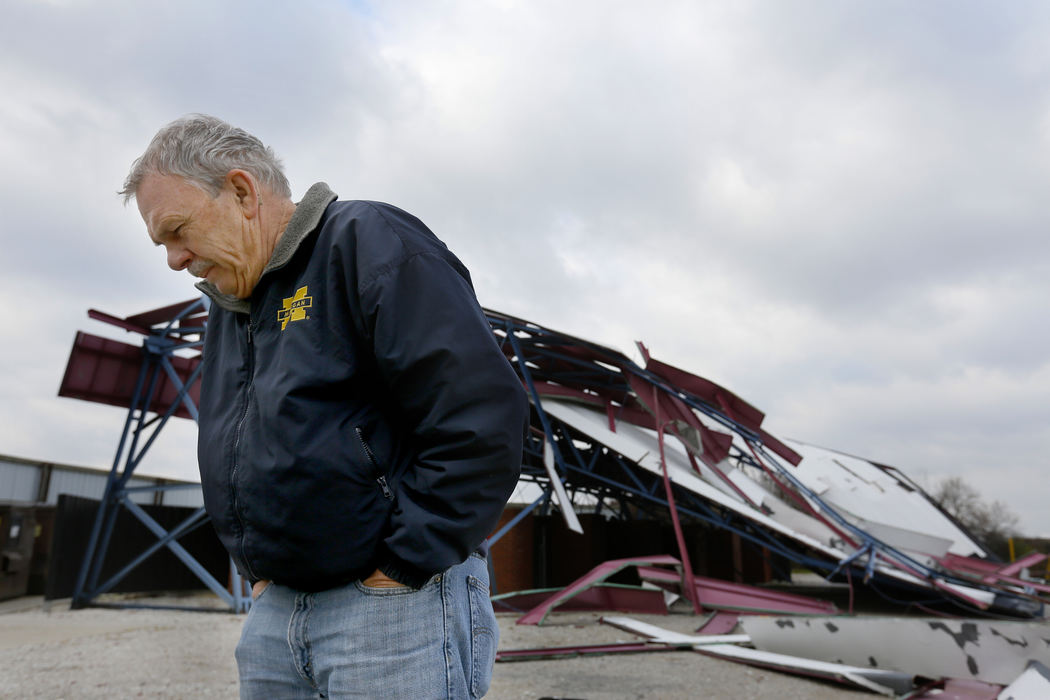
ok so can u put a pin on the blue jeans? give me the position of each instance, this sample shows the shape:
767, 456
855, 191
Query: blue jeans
355, 641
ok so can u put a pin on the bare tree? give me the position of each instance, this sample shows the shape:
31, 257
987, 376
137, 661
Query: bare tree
993, 524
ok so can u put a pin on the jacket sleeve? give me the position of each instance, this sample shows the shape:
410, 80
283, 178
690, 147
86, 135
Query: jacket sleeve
463, 405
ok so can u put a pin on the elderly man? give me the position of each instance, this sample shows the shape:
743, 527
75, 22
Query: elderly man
360, 430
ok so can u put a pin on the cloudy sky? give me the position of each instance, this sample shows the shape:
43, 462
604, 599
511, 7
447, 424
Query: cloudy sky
835, 209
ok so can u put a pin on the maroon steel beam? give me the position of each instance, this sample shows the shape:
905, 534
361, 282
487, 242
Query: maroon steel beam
722, 622
1015, 567
958, 689
569, 652
741, 597
588, 580
600, 597
161, 315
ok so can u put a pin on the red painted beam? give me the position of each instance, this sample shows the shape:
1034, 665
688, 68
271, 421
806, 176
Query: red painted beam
118, 322
601, 597
718, 397
601, 572
740, 597
1022, 563
541, 653
161, 315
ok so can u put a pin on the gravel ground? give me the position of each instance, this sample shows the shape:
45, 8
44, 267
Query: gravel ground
53, 652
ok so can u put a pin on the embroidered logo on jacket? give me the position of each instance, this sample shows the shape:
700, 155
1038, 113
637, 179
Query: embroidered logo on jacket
295, 307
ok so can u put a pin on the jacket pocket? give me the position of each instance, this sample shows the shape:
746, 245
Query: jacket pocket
377, 471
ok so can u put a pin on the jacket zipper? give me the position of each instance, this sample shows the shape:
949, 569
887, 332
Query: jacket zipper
380, 478
237, 444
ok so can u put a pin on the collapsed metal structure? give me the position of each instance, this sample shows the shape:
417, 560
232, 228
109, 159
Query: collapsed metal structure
614, 437
624, 439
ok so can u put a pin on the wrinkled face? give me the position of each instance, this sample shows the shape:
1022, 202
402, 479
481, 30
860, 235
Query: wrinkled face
209, 236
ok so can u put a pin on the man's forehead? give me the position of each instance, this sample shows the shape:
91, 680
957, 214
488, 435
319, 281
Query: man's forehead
158, 186
162, 197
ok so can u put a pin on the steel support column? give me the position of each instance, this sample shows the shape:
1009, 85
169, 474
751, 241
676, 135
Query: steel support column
160, 392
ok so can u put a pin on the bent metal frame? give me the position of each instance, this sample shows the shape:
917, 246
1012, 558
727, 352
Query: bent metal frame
570, 467
155, 382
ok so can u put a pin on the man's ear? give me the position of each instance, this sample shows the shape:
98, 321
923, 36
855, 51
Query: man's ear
246, 192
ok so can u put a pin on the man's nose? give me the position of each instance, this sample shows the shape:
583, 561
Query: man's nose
178, 258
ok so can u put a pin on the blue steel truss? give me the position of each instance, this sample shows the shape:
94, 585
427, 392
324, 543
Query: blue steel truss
141, 429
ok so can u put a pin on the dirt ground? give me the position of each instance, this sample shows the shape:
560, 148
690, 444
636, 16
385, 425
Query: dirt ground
49, 652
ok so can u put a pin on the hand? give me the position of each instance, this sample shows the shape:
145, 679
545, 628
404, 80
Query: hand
258, 587
380, 580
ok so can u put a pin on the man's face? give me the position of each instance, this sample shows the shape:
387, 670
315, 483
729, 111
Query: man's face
209, 236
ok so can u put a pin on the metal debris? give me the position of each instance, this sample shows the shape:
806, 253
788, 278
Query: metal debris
992, 652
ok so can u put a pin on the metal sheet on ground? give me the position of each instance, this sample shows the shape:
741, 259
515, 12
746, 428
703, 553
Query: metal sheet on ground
1033, 684
536, 615
876, 680
658, 634
993, 652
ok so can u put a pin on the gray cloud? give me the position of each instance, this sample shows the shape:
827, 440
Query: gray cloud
833, 209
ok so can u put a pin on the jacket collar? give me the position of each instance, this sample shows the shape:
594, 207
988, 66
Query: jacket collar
305, 219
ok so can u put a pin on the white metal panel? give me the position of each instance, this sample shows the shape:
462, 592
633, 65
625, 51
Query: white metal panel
662, 635
907, 540
144, 497
90, 485
188, 497
564, 504
793, 518
525, 492
874, 679
18, 482
783, 512
866, 491
1033, 684
641, 445
76, 483
751, 488
992, 652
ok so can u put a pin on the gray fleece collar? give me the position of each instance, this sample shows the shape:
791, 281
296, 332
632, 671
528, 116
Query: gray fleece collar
305, 219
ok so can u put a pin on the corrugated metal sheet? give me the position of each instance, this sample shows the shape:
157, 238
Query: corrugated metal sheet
88, 485
192, 497
858, 481
18, 482
863, 489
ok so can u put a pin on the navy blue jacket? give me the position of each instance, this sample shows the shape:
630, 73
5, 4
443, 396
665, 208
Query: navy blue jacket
356, 412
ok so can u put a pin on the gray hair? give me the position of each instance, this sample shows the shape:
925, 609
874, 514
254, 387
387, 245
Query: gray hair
203, 150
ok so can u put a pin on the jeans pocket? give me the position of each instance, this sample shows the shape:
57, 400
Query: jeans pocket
484, 636
267, 587
384, 591
397, 590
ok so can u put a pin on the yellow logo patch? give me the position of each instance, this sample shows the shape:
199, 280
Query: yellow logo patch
295, 308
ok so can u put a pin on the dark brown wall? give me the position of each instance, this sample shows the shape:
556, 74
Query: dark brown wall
541, 552
512, 555
17, 531
162, 571
45, 530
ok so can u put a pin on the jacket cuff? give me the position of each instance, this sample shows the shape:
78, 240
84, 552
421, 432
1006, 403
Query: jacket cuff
401, 571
